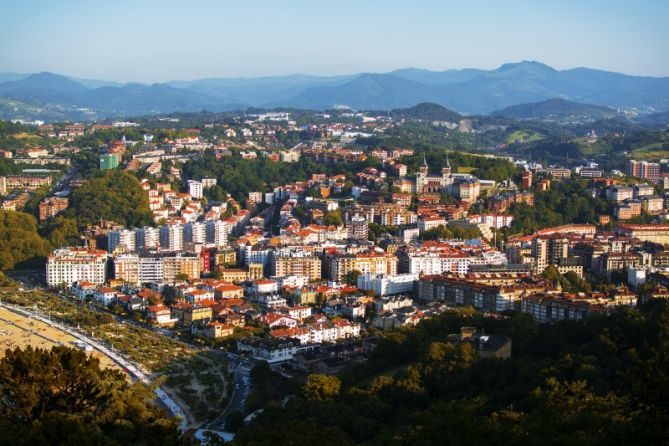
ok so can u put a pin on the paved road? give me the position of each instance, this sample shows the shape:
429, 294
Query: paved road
240, 391
127, 365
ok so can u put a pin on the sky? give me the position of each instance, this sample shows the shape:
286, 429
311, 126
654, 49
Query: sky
157, 41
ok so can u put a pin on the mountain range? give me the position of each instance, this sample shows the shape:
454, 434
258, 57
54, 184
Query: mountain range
468, 91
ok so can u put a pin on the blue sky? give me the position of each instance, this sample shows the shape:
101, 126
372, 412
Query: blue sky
155, 41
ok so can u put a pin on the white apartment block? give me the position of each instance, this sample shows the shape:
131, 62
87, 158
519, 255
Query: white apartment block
619, 193
139, 269
147, 238
68, 265
434, 263
195, 189
124, 239
217, 232
383, 285
430, 223
171, 237
195, 232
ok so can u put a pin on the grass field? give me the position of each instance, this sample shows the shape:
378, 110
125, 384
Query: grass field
523, 136
20, 331
651, 151
466, 169
24, 135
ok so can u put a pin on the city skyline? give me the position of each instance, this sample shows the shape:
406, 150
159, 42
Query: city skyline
157, 42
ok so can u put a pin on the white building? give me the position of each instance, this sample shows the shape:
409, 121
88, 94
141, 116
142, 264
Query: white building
195, 189
147, 238
217, 232
291, 281
636, 277
391, 304
68, 265
208, 182
430, 222
435, 263
619, 193
171, 237
195, 232
124, 239
383, 285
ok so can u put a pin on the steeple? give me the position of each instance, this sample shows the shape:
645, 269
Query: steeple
446, 170
424, 168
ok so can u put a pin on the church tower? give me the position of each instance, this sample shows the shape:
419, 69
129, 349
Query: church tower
446, 178
421, 176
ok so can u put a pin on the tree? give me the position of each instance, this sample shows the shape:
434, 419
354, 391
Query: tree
552, 274
333, 218
599, 380
62, 396
182, 277
576, 284
19, 240
234, 421
351, 277
61, 231
115, 196
321, 387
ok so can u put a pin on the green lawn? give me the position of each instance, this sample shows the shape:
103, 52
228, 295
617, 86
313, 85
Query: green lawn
524, 136
651, 151
466, 169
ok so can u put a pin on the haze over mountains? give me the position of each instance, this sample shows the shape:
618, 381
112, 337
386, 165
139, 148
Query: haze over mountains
468, 91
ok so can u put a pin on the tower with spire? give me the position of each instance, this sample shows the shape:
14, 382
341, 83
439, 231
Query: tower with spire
421, 176
446, 178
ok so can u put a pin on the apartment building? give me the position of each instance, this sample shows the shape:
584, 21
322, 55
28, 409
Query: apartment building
309, 266
51, 207
68, 265
339, 265
156, 267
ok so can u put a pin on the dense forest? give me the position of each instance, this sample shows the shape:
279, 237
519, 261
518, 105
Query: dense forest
600, 381
19, 240
115, 196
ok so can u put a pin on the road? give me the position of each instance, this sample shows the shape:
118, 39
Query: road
240, 391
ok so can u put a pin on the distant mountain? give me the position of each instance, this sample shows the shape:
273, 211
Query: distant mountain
467, 91
42, 88
368, 91
52, 91
437, 77
95, 83
260, 91
427, 111
556, 109
481, 92
137, 99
